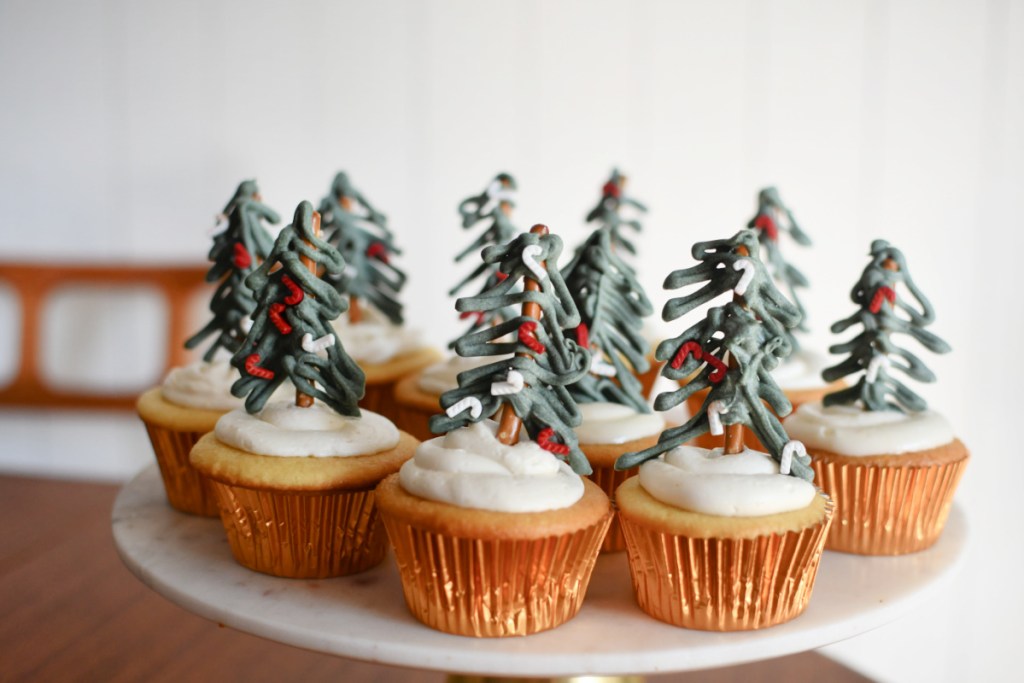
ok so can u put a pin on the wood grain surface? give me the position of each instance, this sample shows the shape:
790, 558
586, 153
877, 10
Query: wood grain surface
72, 612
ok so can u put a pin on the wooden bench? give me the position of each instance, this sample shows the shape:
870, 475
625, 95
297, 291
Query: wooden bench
33, 286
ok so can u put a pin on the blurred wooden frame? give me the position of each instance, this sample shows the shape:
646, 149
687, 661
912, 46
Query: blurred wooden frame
34, 283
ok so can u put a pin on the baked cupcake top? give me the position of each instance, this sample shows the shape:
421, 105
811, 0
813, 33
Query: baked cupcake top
731, 352
612, 305
879, 413
237, 250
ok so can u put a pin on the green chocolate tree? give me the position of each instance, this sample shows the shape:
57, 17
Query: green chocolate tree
236, 252
530, 388
494, 204
291, 334
872, 351
360, 232
752, 330
772, 218
606, 213
612, 304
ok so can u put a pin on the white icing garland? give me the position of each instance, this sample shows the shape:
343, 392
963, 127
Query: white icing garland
748, 274
513, 384
715, 411
530, 252
878, 362
470, 402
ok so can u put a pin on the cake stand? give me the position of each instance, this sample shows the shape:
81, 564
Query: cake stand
187, 560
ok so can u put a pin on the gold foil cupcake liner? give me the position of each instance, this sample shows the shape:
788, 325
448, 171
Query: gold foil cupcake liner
609, 479
724, 584
380, 398
302, 535
887, 510
187, 489
493, 588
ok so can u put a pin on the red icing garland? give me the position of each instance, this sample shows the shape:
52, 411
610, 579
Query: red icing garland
881, 294
583, 335
500, 276
544, 441
296, 292
684, 351
526, 336
242, 258
718, 374
765, 222
691, 347
611, 189
275, 317
252, 367
378, 251
469, 314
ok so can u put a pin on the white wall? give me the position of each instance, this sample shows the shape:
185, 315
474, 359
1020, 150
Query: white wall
125, 126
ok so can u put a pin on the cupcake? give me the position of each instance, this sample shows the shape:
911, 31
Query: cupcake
373, 335
729, 538
615, 416
891, 464
799, 375
494, 531
417, 395
294, 479
192, 398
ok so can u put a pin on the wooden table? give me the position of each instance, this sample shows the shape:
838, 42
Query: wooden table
71, 611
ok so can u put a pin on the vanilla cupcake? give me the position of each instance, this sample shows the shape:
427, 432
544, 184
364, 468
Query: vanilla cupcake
492, 540
294, 479
495, 533
891, 464
724, 539
192, 398
721, 542
295, 486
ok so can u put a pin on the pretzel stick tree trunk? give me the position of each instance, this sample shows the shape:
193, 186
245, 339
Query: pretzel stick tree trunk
509, 425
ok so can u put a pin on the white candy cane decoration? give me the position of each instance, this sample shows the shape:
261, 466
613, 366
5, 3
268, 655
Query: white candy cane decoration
600, 368
470, 402
877, 363
318, 345
496, 193
513, 384
715, 412
748, 274
791, 447
530, 254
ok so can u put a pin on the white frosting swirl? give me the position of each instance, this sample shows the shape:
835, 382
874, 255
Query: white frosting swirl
443, 376
202, 385
802, 370
851, 430
284, 429
470, 468
374, 339
746, 484
613, 423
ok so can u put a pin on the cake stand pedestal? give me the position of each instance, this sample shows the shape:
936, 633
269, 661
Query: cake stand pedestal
186, 559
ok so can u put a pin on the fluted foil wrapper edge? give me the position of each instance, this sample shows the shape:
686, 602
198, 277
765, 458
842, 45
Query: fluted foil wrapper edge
887, 510
494, 588
187, 489
724, 584
609, 479
307, 535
